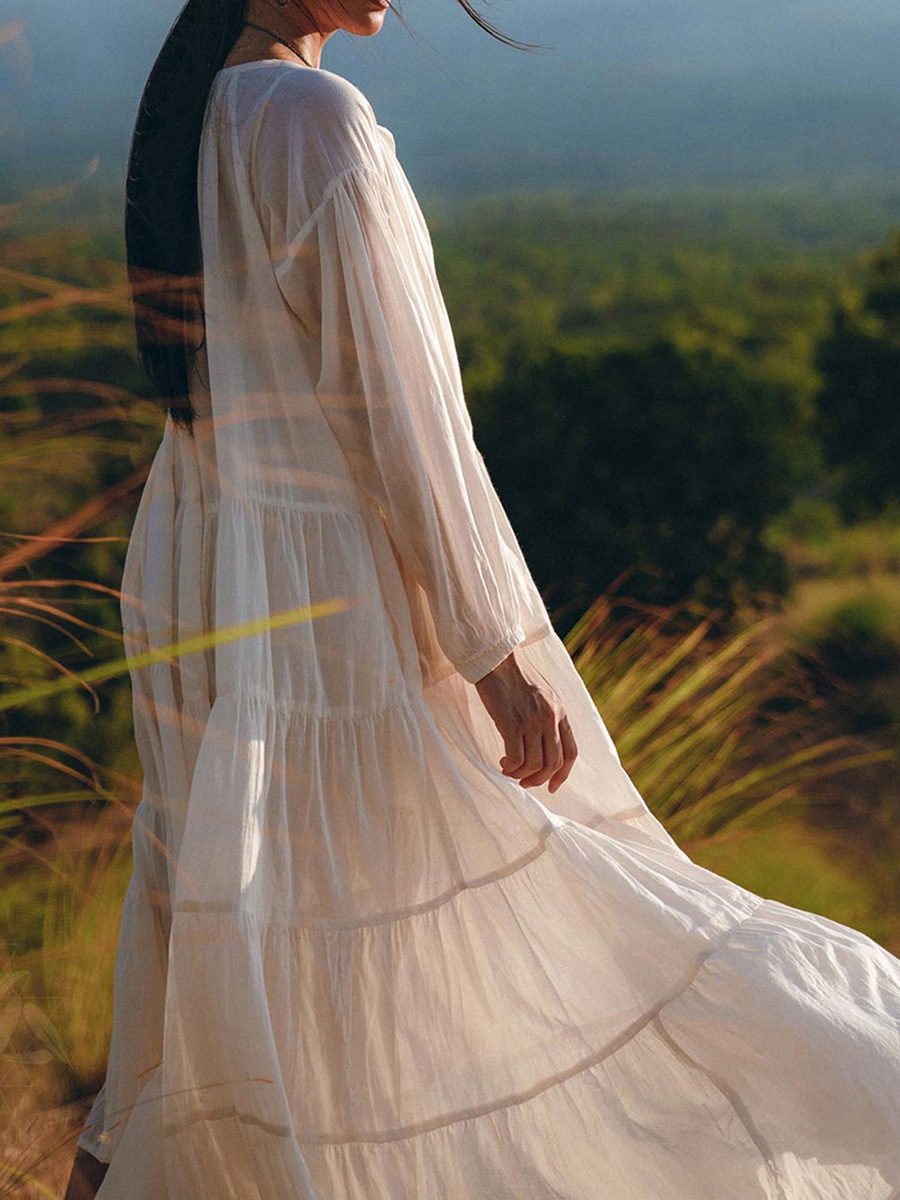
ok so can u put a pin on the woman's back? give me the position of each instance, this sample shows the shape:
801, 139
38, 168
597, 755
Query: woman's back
277, 137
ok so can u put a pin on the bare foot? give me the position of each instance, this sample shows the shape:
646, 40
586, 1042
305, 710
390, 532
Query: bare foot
86, 1177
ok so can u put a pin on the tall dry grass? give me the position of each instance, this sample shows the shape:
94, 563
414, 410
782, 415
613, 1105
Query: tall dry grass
714, 728
717, 730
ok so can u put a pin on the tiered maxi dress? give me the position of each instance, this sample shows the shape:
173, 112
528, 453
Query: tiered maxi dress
356, 961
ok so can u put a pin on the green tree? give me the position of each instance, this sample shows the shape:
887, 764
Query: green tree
664, 460
859, 411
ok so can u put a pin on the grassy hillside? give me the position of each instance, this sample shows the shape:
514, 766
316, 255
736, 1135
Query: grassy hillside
765, 735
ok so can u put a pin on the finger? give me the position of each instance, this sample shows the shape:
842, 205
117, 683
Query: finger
552, 760
534, 757
570, 753
567, 737
514, 757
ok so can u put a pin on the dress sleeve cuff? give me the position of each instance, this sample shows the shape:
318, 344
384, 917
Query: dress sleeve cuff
473, 669
96, 1144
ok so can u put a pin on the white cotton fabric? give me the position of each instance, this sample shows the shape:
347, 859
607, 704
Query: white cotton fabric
356, 961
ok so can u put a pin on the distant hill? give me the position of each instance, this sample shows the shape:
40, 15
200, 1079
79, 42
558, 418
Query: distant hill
659, 94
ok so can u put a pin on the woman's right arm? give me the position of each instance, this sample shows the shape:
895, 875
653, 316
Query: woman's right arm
360, 276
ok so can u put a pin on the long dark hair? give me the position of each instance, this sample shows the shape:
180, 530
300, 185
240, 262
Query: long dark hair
162, 223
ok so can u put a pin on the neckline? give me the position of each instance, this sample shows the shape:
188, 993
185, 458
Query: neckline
262, 62
289, 62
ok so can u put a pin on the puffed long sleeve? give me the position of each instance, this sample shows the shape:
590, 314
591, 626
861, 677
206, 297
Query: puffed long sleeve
391, 391
359, 273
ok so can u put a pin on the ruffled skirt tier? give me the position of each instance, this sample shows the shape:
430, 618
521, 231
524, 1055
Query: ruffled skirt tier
357, 962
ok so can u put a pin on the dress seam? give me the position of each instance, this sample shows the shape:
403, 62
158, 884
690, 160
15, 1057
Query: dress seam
327, 925
312, 711
421, 1128
439, 676
303, 507
297, 239
486, 659
731, 1095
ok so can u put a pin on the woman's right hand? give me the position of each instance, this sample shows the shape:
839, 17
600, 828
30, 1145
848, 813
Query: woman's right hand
536, 733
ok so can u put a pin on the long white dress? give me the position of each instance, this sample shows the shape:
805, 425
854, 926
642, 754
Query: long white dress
356, 961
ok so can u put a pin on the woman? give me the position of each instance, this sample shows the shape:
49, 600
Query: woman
390, 935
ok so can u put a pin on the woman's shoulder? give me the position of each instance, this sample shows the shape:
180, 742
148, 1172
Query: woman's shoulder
308, 126
312, 98
314, 119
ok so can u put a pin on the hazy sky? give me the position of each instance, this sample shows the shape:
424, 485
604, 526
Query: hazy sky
659, 92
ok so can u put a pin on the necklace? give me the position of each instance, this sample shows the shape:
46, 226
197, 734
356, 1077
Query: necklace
262, 29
